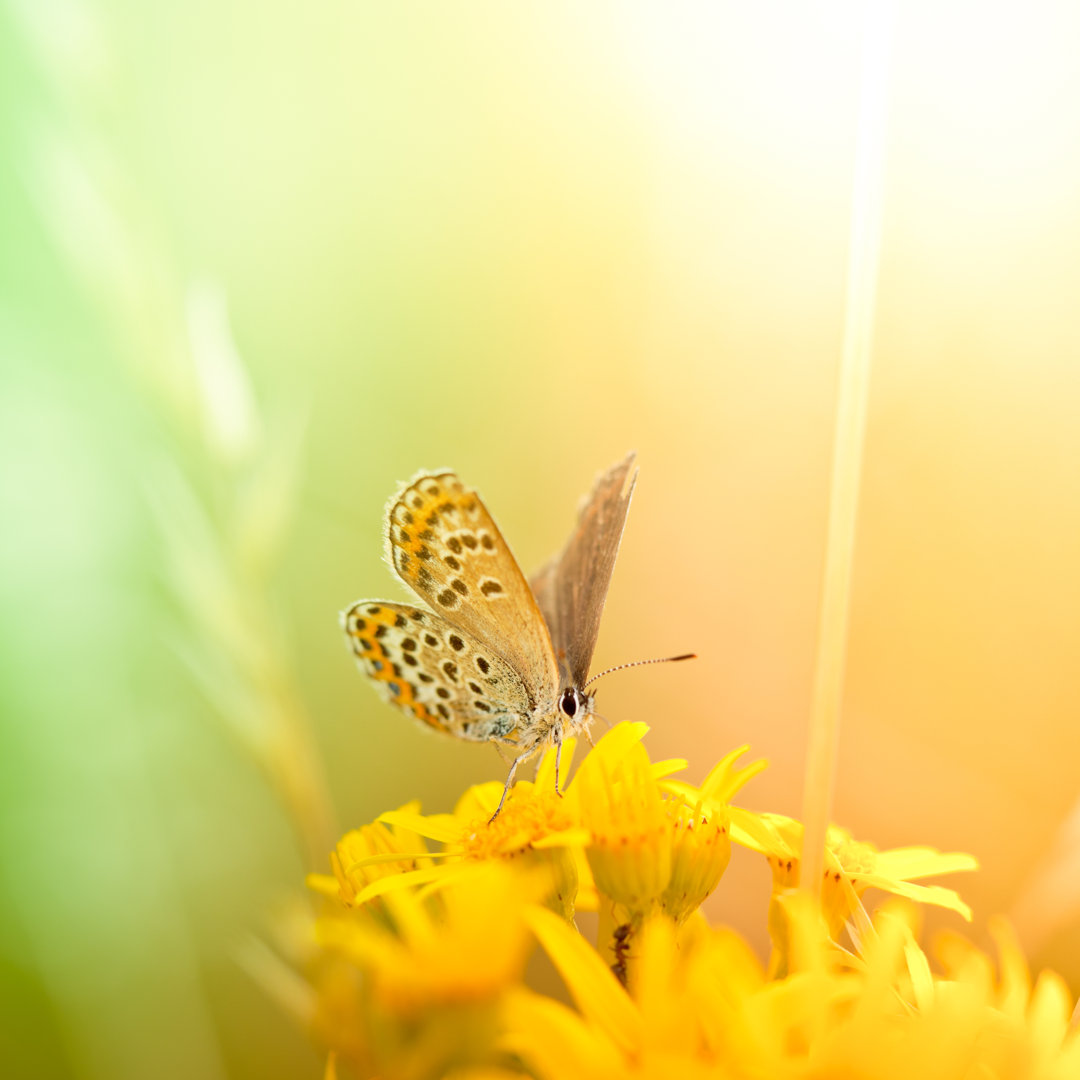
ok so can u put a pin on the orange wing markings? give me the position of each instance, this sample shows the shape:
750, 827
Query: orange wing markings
443, 543
367, 622
434, 671
433, 511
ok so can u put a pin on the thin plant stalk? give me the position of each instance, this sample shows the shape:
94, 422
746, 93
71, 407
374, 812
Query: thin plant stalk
849, 438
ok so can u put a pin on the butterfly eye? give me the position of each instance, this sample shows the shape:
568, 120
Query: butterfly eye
569, 701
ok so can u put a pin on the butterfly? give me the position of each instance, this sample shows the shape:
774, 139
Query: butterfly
489, 655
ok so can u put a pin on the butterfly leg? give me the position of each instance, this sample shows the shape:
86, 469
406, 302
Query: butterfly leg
509, 783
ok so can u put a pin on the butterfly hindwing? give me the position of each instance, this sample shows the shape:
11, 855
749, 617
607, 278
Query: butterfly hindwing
572, 587
446, 547
435, 671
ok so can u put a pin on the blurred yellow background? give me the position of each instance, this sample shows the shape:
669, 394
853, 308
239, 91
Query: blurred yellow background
516, 240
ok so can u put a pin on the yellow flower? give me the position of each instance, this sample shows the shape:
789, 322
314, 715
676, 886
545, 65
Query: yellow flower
700, 852
700, 833
851, 867
536, 829
656, 844
707, 1009
673, 1021
431, 979
420, 974
369, 854
899, 1020
1025, 1030
463, 943
622, 807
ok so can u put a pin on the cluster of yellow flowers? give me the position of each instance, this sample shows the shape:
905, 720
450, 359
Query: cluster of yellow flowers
420, 971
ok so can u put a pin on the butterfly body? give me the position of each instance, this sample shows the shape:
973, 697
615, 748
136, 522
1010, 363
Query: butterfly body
487, 655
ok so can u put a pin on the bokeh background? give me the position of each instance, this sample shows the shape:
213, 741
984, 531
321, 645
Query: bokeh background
261, 262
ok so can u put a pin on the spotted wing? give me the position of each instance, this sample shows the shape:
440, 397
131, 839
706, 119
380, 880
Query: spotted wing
572, 587
436, 672
445, 546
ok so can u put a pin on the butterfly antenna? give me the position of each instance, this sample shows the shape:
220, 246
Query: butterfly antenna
639, 663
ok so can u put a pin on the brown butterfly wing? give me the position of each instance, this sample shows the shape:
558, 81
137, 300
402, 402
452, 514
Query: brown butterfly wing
445, 546
572, 587
433, 670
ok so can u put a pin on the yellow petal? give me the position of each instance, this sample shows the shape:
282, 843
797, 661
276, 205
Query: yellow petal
1015, 989
478, 802
683, 790
442, 827
918, 862
396, 857
758, 833
575, 837
555, 1041
397, 881
594, 988
363, 944
925, 894
545, 774
324, 884
661, 769
1048, 1014
449, 877
922, 978
617, 742
724, 780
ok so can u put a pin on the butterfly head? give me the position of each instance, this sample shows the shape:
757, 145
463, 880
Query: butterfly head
574, 705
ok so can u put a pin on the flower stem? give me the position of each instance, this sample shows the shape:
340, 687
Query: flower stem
853, 391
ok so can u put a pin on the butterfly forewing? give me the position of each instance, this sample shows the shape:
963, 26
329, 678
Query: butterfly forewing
435, 671
445, 546
572, 588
